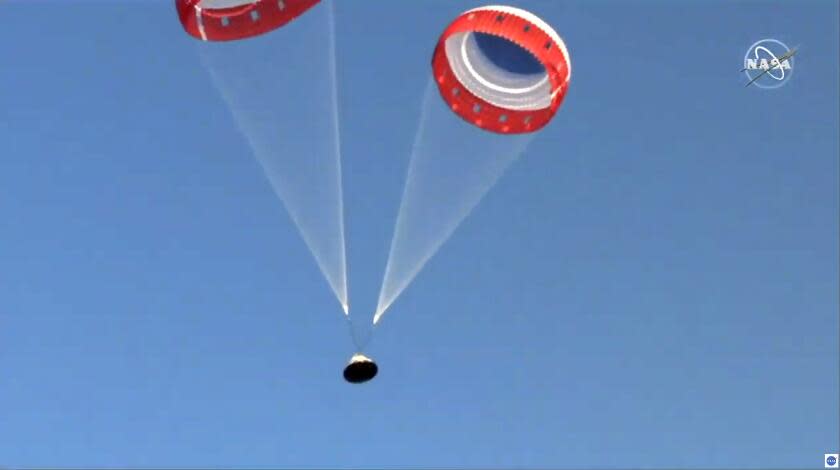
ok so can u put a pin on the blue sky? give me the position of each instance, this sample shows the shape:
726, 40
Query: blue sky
653, 284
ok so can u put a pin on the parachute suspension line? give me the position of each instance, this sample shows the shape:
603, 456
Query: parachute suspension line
344, 297
453, 165
286, 110
352, 332
360, 343
385, 300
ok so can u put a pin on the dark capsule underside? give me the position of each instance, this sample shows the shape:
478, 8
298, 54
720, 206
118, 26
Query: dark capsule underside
361, 371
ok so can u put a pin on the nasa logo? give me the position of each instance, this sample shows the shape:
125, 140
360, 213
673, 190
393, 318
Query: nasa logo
830, 460
768, 63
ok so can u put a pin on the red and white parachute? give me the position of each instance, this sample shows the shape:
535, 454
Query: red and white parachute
229, 20
485, 96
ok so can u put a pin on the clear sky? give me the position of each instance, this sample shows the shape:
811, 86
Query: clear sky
653, 284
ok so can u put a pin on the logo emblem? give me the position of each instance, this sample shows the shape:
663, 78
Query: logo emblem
768, 63
831, 460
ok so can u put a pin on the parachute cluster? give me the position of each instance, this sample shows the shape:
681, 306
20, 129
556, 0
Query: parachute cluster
499, 68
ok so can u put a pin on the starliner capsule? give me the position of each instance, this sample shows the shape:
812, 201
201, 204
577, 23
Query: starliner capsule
360, 369
481, 68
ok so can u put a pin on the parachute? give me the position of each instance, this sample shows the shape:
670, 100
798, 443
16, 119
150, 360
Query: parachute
504, 72
230, 20
488, 95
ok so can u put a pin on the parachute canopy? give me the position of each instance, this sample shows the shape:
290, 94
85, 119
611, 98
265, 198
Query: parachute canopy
229, 20
502, 69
